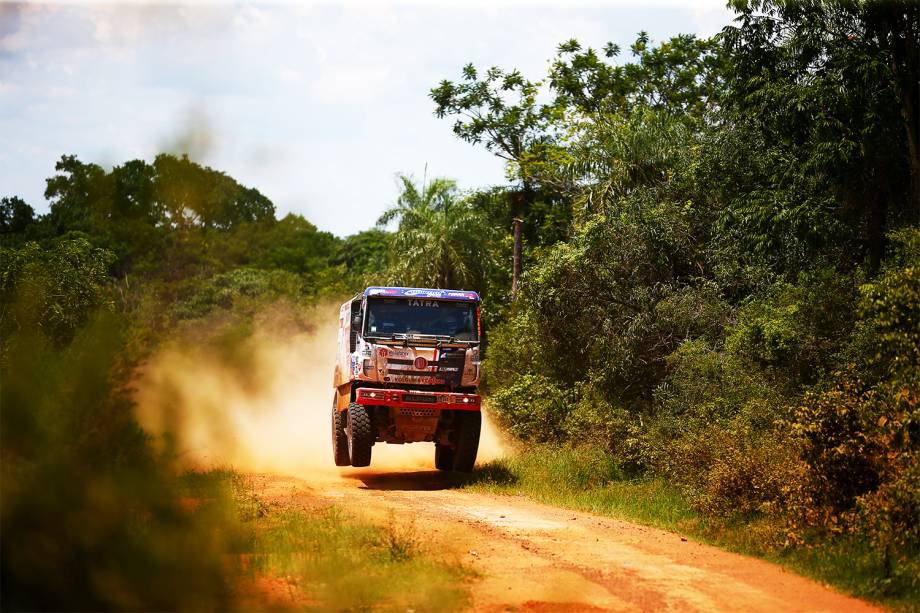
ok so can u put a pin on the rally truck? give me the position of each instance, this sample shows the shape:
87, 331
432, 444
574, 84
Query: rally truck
407, 371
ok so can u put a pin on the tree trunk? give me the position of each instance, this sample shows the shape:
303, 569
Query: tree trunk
906, 69
516, 259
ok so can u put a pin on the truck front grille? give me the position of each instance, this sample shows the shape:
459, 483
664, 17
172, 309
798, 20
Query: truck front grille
418, 413
420, 398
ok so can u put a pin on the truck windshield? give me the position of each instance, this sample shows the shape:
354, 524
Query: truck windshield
388, 316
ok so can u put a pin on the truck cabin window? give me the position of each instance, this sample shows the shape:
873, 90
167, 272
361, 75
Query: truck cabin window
388, 316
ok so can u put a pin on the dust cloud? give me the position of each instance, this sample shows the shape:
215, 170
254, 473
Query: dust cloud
262, 403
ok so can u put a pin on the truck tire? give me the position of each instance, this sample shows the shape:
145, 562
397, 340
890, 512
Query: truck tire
339, 437
443, 457
360, 435
469, 424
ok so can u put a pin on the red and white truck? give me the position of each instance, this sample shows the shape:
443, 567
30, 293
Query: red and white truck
407, 371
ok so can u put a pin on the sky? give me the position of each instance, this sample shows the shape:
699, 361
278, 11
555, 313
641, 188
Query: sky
316, 105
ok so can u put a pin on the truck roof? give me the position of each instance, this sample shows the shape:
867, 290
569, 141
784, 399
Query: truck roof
421, 292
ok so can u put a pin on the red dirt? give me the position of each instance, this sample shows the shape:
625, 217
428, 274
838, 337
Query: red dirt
531, 557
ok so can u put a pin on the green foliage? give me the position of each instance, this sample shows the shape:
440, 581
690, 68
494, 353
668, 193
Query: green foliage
729, 309
292, 244
606, 301
441, 242
583, 478
800, 73
54, 290
192, 195
797, 328
230, 289
891, 306
16, 217
680, 77
615, 155
532, 408
365, 253
498, 109
89, 515
93, 518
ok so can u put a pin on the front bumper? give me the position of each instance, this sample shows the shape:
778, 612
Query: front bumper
418, 399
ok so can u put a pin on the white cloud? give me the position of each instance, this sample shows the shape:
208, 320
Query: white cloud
317, 105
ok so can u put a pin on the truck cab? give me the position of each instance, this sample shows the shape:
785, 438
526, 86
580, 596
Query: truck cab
407, 371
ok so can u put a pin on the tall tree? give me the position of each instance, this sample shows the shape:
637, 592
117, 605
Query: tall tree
833, 89
680, 77
15, 215
442, 241
437, 194
500, 110
78, 194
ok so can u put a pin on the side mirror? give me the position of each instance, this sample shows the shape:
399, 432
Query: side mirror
356, 322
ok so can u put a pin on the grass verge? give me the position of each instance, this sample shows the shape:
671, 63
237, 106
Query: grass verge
586, 479
325, 558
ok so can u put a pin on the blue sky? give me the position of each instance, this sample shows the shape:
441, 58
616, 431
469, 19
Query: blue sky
317, 105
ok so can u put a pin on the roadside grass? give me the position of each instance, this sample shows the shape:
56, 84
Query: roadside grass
342, 563
331, 559
586, 479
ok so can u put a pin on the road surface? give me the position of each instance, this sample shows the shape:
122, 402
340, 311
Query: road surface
533, 557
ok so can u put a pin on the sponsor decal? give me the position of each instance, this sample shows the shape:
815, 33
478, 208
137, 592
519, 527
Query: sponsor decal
420, 363
382, 352
355, 365
418, 380
431, 293
410, 292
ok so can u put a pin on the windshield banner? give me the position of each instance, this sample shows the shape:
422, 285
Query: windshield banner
415, 292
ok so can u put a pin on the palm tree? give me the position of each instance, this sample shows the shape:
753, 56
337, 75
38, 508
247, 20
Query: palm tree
434, 195
441, 240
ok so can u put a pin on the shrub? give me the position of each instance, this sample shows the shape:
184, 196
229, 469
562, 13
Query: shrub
90, 516
833, 430
748, 478
593, 419
533, 408
796, 330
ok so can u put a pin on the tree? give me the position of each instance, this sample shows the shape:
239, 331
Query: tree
365, 253
77, 194
54, 290
198, 196
680, 77
293, 244
677, 79
437, 194
441, 240
15, 215
500, 110
833, 89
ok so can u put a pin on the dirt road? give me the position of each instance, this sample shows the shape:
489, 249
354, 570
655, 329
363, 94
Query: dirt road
532, 557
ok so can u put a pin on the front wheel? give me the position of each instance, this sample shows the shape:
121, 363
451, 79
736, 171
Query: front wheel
360, 435
469, 425
443, 457
339, 437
